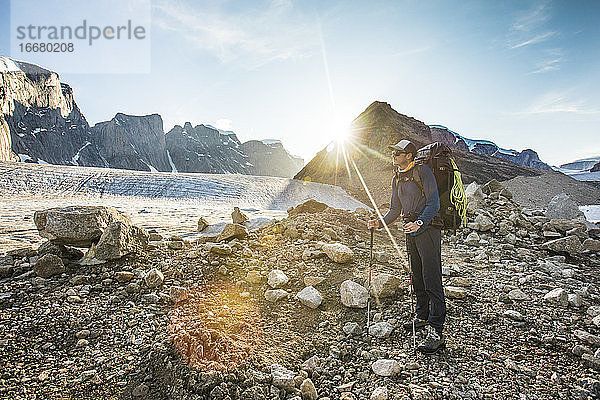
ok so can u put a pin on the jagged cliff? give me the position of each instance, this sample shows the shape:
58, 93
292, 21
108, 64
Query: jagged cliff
39, 119
41, 123
133, 142
205, 149
269, 157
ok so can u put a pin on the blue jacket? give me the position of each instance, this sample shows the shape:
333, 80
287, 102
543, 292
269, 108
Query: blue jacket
408, 200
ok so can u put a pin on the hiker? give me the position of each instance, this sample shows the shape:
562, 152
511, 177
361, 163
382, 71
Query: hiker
418, 206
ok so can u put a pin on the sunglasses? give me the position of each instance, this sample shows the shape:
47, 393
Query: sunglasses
398, 152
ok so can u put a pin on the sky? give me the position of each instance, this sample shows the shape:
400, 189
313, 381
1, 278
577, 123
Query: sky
524, 74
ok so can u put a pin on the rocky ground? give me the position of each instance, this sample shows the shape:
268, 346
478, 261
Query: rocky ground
232, 319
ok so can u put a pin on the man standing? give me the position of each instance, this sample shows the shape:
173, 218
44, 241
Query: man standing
417, 201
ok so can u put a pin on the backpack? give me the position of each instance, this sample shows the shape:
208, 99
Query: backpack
453, 201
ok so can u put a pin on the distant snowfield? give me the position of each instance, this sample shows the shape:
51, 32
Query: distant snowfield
171, 203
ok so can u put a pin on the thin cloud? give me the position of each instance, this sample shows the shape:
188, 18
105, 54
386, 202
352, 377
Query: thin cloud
536, 39
556, 103
254, 36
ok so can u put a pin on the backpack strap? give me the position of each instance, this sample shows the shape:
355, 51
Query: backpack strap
417, 178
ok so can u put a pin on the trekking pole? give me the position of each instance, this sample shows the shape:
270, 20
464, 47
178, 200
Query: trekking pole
413, 315
370, 274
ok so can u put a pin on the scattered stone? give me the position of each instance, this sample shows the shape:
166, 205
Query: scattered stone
48, 266
313, 280
277, 278
575, 300
175, 244
124, 276
351, 328
591, 244
592, 361
353, 295
514, 315
238, 216
219, 248
587, 337
308, 390
273, 296
518, 295
420, 392
381, 330
385, 285
380, 393
202, 224
175, 292
232, 231
484, 223
570, 244
154, 278
557, 296
472, 239
338, 253
254, 277
310, 297
385, 367
453, 292
308, 207
282, 378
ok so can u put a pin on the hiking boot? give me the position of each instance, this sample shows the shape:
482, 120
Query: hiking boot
433, 343
419, 324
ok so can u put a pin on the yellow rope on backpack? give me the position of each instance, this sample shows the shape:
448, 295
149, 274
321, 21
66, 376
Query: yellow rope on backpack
458, 197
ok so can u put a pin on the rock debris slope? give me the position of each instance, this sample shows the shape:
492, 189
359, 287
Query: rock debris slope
523, 322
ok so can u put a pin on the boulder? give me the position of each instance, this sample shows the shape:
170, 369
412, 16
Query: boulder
232, 231
591, 244
338, 253
518, 295
238, 217
76, 225
310, 297
353, 295
48, 265
120, 239
385, 285
570, 244
562, 206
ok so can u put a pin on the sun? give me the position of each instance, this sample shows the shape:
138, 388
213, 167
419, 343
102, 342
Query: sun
339, 130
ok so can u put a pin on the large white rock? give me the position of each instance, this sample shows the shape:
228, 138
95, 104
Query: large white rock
386, 367
338, 252
310, 297
472, 239
353, 295
454, 292
484, 223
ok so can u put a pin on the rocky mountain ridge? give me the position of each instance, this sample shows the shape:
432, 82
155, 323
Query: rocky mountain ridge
41, 123
527, 157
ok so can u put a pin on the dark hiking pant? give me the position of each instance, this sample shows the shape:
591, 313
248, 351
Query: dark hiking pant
425, 252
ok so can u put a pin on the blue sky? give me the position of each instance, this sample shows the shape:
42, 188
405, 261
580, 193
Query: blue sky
524, 74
